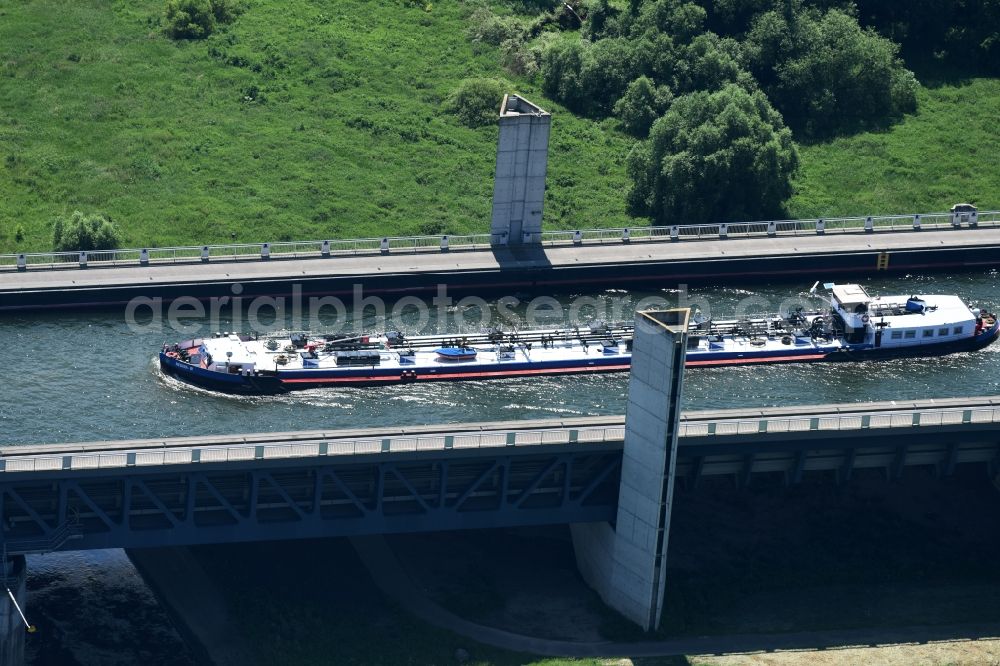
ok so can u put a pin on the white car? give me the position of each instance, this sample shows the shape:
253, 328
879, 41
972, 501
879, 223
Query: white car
964, 212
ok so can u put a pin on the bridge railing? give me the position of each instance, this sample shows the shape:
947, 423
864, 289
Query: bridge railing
320, 447
183, 455
841, 422
419, 244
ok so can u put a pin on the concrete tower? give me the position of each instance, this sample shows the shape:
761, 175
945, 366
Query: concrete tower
626, 564
519, 184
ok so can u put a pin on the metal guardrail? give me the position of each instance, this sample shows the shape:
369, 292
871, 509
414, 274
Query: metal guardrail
419, 244
186, 455
307, 449
842, 422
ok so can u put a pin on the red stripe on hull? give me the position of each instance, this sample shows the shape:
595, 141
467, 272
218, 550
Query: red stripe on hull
766, 359
459, 375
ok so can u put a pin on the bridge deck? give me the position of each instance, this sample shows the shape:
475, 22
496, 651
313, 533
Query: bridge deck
721, 427
308, 484
395, 271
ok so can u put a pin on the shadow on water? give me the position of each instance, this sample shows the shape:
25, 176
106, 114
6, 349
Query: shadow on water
93, 609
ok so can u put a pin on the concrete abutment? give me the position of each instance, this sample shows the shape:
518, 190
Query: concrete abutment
626, 563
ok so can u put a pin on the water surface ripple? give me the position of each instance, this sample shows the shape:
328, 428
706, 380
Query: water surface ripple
88, 376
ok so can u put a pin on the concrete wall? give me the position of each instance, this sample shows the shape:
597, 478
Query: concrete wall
626, 564
12, 629
519, 184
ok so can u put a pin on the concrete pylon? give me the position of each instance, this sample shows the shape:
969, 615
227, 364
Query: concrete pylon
13, 573
519, 183
626, 564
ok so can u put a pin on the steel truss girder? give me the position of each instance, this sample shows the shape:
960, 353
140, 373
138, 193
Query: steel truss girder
146, 508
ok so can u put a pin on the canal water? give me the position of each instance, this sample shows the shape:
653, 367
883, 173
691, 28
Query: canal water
93, 376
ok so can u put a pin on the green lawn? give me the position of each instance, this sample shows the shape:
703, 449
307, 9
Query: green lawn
324, 119
300, 120
948, 152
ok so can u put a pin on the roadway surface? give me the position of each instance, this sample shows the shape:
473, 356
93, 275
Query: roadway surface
402, 272
220, 270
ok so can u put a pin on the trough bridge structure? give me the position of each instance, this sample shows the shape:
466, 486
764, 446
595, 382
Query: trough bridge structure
611, 478
194, 490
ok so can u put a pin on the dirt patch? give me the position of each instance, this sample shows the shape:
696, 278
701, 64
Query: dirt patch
971, 653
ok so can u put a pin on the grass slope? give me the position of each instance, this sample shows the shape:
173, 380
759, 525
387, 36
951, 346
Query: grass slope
322, 119
302, 119
948, 152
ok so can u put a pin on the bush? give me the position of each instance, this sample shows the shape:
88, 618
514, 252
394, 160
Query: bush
197, 19
476, 102
562, 64
714, 157
19, 234
590, 78
518, 59
487, 28
82, 232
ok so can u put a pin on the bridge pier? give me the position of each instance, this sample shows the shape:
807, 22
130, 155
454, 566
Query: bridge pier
519, 183
12, 629
626, 564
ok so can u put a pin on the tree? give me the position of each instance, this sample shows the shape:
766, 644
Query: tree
642, 103
683, 21
965, 32
608, 67
601, 20
713, 157
82, 233
190, 19
826, 74
709, 63
732, 17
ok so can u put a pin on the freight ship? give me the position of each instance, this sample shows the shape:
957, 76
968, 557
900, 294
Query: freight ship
854, 326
